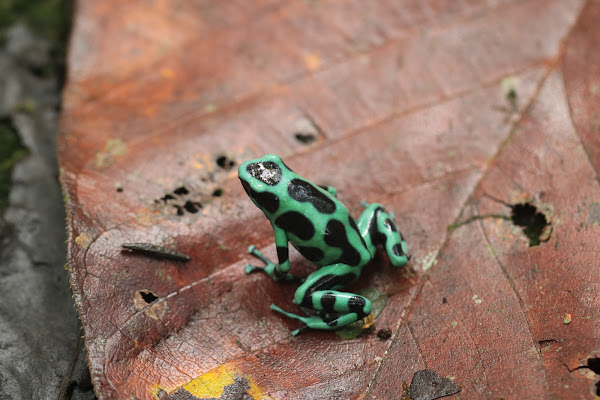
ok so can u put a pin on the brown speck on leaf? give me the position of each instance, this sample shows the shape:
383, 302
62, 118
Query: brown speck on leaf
384, 333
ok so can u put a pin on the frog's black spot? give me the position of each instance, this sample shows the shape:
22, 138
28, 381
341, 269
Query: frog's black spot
397, 250
297, 224
313, 254
352, 224
328, 302
329, 281
304, 191
333, 322
391, 225
335, 235
377, 237
357, 305
282, 254
267, 201
265, 171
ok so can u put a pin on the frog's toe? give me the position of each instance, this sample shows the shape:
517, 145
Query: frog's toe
254, 251
253, 268
300, 330
364, 203
287, 314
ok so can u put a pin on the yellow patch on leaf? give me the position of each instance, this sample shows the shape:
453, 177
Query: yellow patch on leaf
312, 61
216, 382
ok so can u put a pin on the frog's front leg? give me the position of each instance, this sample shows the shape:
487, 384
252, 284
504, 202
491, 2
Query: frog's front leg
320, 293
279, 271
377, 227
330, 189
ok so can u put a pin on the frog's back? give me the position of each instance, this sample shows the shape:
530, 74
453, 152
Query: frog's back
323, 232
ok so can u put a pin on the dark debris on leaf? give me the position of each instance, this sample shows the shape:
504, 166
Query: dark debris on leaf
428, 385
156, 251
384, 334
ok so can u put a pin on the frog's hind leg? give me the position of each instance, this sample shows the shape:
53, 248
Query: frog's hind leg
320, 293
377, 227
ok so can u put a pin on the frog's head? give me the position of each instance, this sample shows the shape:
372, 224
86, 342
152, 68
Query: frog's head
260, 179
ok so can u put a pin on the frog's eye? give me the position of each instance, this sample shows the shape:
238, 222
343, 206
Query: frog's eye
265, 171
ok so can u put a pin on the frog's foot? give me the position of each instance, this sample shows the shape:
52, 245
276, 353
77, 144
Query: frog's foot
309, 321
368, 321
269, 268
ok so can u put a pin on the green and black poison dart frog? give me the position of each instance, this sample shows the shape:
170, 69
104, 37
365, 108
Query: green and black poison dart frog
319, 226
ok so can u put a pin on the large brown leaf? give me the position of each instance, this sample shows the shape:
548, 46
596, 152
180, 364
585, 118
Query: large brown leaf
446, 112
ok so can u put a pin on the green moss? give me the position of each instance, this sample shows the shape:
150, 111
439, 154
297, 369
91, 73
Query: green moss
11, 151
50, 19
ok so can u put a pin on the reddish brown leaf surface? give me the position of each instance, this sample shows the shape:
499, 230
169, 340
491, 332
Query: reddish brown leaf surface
431, 108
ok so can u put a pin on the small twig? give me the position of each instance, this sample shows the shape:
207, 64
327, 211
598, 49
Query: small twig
156, 251
455, 225
66, 384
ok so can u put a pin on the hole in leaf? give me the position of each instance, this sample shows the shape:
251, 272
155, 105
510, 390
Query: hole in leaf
192, 206
305, 138
180, 191
217, 193
535, 225
11, 151
594, 364
225, 163
148, 296
180, 211
167, 197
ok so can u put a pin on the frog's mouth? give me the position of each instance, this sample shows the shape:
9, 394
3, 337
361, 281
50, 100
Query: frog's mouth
246, 187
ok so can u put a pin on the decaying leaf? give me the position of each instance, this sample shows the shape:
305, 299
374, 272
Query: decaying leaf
431, 108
